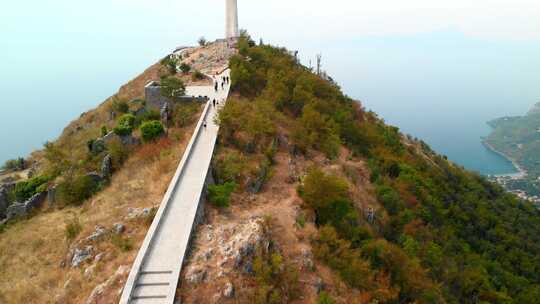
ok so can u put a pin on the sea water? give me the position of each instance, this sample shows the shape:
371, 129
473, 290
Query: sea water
439, 87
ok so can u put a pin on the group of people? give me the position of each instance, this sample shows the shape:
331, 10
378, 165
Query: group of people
224, 80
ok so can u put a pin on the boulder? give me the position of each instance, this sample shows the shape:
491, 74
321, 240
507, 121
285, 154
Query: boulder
106, 166
81, 255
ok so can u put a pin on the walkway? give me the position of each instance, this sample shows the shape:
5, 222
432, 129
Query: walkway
156, 270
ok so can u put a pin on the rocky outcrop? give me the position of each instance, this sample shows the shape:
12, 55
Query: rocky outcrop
98, 234
102, 288
138, 212
23, 209
106, 166
4, 192
81, 255
16, 210
230, 248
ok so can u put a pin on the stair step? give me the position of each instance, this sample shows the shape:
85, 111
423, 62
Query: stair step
156, 272
152, 284
151, 290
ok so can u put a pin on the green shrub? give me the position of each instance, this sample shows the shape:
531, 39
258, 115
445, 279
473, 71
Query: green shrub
197, 75
104, 131
151, 130
125, 244
125, 125
147, 116
220, 195
276, 278
14, 164
325, 298
73, 228
75, 190
26, 189
119, 106
185, 68
230, 167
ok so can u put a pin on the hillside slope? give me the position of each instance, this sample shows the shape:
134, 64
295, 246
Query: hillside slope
78, 248
333, 206
316, 201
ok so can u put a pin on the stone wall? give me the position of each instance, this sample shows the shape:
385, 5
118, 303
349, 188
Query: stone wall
155, 101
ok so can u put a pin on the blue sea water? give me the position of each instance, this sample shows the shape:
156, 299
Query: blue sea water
441, 87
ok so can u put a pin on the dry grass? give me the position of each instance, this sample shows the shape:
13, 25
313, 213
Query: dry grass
32, 251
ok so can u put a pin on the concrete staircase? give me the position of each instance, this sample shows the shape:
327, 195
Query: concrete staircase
156, 271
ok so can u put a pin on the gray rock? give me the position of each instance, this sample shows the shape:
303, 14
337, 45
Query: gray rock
228, 291
165, 114
119, 228
16, 210
196, 276
35, 201
3, 203
51, 196
4, 192
81, 255
96, 178
106, 166
98, 234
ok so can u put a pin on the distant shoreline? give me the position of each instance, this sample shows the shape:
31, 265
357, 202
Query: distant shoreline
522, 173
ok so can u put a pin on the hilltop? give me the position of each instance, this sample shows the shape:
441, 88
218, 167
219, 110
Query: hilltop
316, 200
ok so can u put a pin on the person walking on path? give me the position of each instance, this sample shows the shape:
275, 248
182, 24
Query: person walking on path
214, 103
204, 125
215, 86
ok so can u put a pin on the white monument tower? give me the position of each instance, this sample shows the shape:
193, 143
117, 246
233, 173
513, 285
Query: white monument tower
231, 27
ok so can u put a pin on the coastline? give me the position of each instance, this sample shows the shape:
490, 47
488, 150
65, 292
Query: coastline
522, 173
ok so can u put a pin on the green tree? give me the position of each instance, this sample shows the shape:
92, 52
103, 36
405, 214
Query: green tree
172, 87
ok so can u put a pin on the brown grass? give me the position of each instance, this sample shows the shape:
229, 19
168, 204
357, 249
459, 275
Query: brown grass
33, 250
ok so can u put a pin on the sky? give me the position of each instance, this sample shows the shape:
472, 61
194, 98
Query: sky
437, 69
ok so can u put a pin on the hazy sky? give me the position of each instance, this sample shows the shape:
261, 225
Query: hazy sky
301, 19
